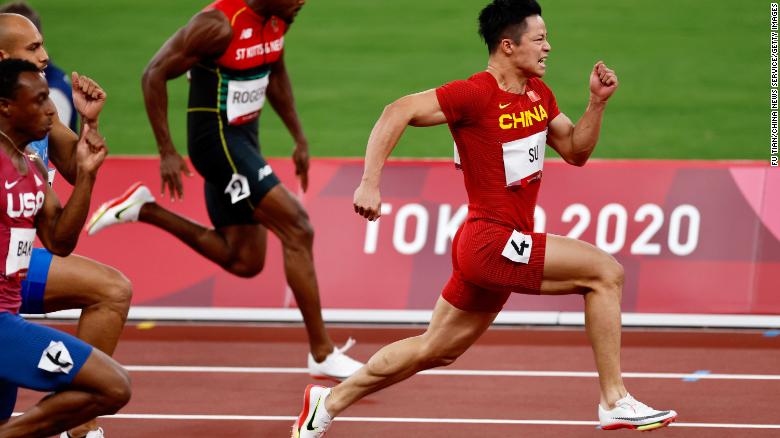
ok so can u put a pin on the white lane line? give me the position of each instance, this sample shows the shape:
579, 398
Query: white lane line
414, 420
459, 373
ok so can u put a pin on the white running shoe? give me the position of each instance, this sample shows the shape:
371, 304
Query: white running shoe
630, 413
120, 210
337, 365
91, 434
314, 419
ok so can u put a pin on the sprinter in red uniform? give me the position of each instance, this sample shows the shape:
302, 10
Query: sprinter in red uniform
500, 119
83, 383
234, 52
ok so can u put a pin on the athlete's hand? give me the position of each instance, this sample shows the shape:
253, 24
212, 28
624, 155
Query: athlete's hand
603, 81
88, 97
91, 150
367, 202
300, 157
172, 165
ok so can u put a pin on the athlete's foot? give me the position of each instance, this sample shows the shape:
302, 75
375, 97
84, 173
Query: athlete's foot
97, 433
630, 413
336, 365
119, 210
314, 419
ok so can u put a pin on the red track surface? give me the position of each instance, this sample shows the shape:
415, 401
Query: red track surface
722, 401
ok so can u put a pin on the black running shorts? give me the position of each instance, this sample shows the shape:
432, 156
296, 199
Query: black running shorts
228, 157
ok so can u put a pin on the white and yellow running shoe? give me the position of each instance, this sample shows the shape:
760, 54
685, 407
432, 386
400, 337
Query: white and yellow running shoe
629, 413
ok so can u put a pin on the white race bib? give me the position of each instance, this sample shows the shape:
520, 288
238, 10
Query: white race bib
524, 159
518, 247
20, 246
245, 99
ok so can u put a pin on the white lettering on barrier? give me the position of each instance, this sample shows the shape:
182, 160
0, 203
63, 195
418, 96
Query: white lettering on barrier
612, 226
602, 228
372, 230
420, 233
694, 222
447, 226
540, 220
580, 211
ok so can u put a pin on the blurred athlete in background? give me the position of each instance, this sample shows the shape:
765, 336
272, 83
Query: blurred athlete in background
82, 382
57, 283
234, 53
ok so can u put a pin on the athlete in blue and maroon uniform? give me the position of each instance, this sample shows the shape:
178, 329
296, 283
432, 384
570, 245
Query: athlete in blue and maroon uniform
75, 282
500, 120
234, 52
83, 382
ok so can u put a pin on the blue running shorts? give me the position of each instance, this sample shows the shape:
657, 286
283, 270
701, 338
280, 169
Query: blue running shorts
34, 285
35, 357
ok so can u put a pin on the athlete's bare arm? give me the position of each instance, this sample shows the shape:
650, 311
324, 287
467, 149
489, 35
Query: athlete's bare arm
88, 99
280, 95
58, 227
206, 36
420, 109
575, 143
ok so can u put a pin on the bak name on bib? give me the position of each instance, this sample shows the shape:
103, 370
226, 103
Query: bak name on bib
524, 159
245, 99
20, 246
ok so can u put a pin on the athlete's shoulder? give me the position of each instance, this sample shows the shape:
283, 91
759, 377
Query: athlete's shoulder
227, 7
476, 84
538, 85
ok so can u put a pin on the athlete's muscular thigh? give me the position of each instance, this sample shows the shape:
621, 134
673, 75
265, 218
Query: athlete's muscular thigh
76, 282
572, 266
282, 213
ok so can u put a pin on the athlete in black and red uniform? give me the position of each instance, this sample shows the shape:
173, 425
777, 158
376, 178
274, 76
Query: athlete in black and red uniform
500, 120
83, 382
234, 50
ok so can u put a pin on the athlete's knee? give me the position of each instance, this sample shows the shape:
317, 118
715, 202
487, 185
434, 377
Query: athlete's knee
299, 230
117, 392
246, 268
438, 355
610, 276
119, 291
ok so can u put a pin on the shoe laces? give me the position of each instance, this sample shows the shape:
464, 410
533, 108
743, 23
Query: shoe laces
347, 345
634, 404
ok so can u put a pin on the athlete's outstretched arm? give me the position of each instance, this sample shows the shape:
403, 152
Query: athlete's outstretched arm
206, 36
421, 109
88, 99
575, 143
280, 95
58, 227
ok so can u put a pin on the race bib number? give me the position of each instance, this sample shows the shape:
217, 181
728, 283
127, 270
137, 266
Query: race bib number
518, 247
245, 99
20, 245
56, 358
524, 159
237, 188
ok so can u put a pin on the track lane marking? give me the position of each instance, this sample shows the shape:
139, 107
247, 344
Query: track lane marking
457, 373
413, 420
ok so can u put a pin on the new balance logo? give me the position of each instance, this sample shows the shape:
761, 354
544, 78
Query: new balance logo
246, 34
264, 172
